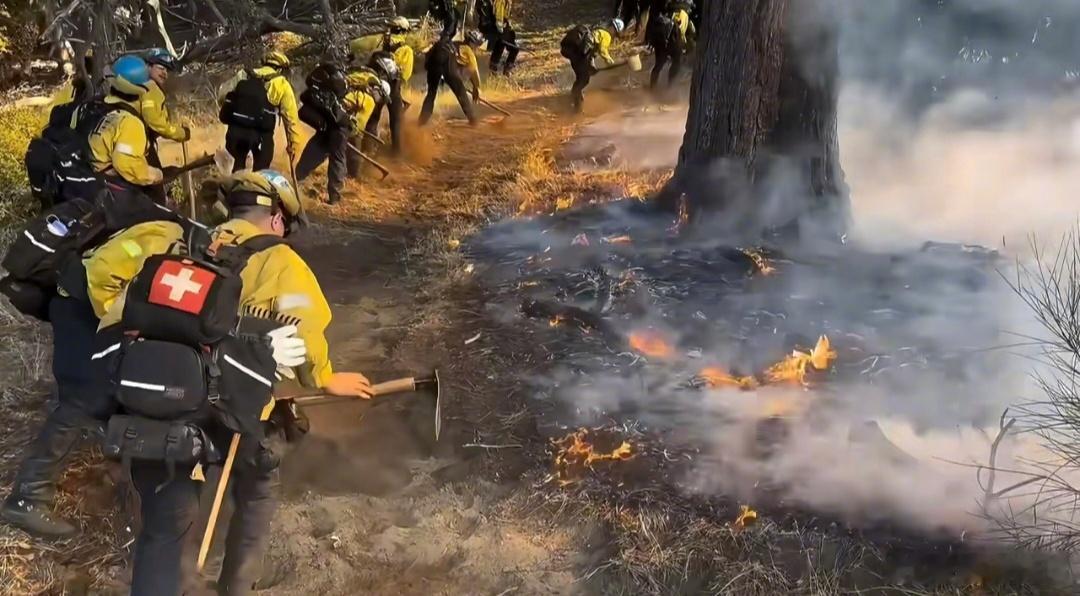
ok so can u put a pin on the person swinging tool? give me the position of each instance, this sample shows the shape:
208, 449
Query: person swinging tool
278, 296
251, 103
156, 115
448, 61
580, 45
345, 103
489, 15
393, 64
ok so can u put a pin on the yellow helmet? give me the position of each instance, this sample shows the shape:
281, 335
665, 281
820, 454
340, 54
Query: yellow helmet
267, 188
277, 60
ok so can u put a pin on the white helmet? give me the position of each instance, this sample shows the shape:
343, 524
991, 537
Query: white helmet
400, 24
618, 25
385, 88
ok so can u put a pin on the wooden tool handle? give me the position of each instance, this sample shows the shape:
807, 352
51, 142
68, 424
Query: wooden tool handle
219, 496
495, 107
395, 386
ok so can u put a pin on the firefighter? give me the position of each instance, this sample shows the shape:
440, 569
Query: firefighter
580, 45
489, 15
668, 36
278, 280
251, 111
118, 148
347, 115
448, 61
156, 115
631, 11
393, 64
446, 12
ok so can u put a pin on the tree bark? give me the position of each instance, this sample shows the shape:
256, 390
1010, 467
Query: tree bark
761, 145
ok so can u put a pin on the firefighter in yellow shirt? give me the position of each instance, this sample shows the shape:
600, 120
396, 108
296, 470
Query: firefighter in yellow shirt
154, 111
580, 45
278, 280
251, 102
347, 116
450, 62
667, 36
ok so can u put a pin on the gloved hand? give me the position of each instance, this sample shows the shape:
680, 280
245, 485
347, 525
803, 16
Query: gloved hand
289, 350
187, 134
349, 385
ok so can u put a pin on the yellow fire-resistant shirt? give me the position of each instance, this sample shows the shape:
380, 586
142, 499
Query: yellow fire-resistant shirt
467, 58
682, 23
404, 56
359, 106
280, 94
111, 266
602, 41
65, 94
156, 115
118, 146
277, 279
363, 47
502, 10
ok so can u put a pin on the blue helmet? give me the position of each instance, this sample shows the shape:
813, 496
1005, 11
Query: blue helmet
131, 75
161, 57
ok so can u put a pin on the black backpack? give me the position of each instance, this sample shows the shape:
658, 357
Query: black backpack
320, 103
74, 172
189, 363
248, 105
45, 246
661, 31
577, 43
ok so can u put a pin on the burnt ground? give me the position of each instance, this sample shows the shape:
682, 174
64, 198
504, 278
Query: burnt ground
371, 504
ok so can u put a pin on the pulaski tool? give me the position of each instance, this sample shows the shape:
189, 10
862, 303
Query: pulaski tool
429, 384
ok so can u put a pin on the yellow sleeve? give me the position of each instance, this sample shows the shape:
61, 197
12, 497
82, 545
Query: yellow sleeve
298, 294
469, 61
362, 47
603, 46
280, 94
156, 115
360, 105
682, 21
229, 85
66, 94
405, 58
111, 267
129, 152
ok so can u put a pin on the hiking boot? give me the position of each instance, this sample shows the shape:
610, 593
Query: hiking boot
35, 519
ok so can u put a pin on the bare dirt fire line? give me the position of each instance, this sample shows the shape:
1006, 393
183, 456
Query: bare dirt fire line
577, 454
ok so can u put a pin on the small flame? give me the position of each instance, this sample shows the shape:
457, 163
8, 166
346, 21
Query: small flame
747, 516
555, 321
650, 343
683, 217
577, 453
793, 368
761, 263
624, 239
715, 377
564, 203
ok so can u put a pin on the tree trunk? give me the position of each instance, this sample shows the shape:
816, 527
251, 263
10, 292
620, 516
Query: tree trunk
760, 145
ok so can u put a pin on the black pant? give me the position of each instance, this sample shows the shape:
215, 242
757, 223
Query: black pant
83, 403
155, 191
583, 72
396, 109
500, 43
673, 50
240, 142
445, 70
327, 144
167, 545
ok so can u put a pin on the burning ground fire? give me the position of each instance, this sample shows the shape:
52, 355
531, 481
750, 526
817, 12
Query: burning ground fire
793, 368
651, 343
761, 263
577, 454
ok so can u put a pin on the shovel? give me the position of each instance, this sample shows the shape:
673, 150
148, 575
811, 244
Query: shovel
495, 107
403, 385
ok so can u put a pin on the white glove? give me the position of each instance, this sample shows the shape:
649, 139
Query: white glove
289, 350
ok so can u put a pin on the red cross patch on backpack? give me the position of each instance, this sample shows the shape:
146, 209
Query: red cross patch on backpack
182, 285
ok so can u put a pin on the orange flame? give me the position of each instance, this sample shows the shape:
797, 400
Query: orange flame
683, 217
761, 263
624, 239
715, 377
577, 453
555, 321
793, 368
746, 517
650, 343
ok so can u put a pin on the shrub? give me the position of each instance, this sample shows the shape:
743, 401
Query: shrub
20, 125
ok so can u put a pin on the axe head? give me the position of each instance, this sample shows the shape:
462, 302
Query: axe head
433, 384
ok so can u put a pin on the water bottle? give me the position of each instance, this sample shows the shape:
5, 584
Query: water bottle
55, 226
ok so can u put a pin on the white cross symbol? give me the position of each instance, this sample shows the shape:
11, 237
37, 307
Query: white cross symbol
180, 284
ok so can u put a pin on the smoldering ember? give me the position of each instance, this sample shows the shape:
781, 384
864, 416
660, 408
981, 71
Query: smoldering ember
666, 297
